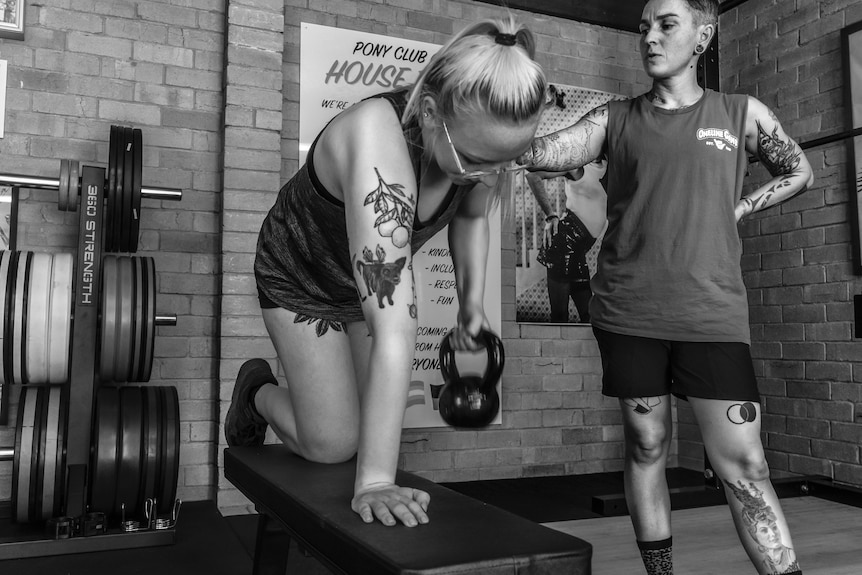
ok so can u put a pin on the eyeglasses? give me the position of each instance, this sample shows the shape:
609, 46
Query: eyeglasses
477, 174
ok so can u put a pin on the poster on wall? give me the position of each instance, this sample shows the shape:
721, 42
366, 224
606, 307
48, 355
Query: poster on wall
851, 39
559, 223
338, 68
3, 72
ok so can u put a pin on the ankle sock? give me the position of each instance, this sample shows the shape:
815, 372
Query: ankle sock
657, 556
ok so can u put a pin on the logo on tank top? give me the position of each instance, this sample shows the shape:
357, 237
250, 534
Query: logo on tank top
719, 137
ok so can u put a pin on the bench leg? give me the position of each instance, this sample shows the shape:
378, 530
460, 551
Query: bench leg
271, 547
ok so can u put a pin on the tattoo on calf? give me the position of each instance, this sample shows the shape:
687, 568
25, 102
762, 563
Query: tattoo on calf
761, 523
380, 277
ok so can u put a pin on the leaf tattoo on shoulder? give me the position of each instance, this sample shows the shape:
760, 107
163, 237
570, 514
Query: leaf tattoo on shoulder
395, 209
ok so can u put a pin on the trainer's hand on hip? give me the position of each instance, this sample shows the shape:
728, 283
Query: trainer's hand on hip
388, 501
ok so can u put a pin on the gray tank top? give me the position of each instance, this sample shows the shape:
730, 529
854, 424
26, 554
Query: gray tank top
669, 264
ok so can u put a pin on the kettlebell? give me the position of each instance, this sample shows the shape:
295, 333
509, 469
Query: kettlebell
470, 400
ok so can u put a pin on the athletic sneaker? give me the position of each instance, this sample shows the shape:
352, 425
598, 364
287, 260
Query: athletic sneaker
243, 425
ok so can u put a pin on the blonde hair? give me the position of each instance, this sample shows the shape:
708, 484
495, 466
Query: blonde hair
487, 67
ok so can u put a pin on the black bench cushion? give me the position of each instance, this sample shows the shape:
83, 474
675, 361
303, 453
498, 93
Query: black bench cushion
464, 535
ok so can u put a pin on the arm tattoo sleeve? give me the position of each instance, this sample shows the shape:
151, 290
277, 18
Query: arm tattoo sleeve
569, 148
779, 155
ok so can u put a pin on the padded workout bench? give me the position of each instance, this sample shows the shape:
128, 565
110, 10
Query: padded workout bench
312, 502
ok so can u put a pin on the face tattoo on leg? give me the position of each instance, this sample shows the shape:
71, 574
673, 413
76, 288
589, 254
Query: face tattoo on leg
762, 525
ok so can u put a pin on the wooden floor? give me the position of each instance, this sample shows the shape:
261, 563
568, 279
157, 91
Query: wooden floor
827, 537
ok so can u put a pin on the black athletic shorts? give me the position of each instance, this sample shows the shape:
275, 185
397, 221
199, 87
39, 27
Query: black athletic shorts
644, 367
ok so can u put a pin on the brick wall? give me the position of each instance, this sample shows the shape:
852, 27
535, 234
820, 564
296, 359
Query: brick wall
555, 420
156, 65
797, 258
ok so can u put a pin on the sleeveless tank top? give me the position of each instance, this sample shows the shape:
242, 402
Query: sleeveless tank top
302, 261
669, 264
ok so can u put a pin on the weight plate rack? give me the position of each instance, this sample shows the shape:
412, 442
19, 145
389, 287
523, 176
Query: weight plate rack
89, 452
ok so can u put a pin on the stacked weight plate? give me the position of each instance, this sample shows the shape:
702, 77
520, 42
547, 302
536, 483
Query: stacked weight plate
35, 317
40, 457
136, 450
123, 191
128, 312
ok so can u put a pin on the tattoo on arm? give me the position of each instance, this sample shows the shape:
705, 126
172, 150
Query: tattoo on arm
779, 155
570, 148
380, 277
395, 209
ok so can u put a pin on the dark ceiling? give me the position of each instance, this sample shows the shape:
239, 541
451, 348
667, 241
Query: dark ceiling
617, 14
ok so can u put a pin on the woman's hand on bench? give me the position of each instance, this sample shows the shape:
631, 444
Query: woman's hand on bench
388, 501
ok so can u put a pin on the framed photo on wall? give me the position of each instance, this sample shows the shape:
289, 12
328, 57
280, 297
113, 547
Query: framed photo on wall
12, 19
560, 219
851, 43
8, 217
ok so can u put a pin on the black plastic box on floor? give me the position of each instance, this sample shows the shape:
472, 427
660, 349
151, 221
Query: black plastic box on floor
312, 502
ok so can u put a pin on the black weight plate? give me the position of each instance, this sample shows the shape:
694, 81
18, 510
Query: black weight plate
150, 468
149, 319
23, 450
19, 336
118, 190
9, 324
39, 436
137, 319
5, 259
103, 477
108, 323
137, 172
125, 314
60, 480
113, 146
128, 182
129, 476
49, 457
172, 450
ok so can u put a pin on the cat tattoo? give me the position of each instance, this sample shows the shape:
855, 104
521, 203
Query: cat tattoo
380, 277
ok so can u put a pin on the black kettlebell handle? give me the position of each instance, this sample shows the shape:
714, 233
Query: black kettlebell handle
496, 358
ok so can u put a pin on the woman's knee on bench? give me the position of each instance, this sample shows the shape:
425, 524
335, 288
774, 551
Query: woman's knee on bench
330, 447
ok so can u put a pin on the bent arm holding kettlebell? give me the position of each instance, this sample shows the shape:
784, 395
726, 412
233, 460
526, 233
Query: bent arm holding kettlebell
468, 244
